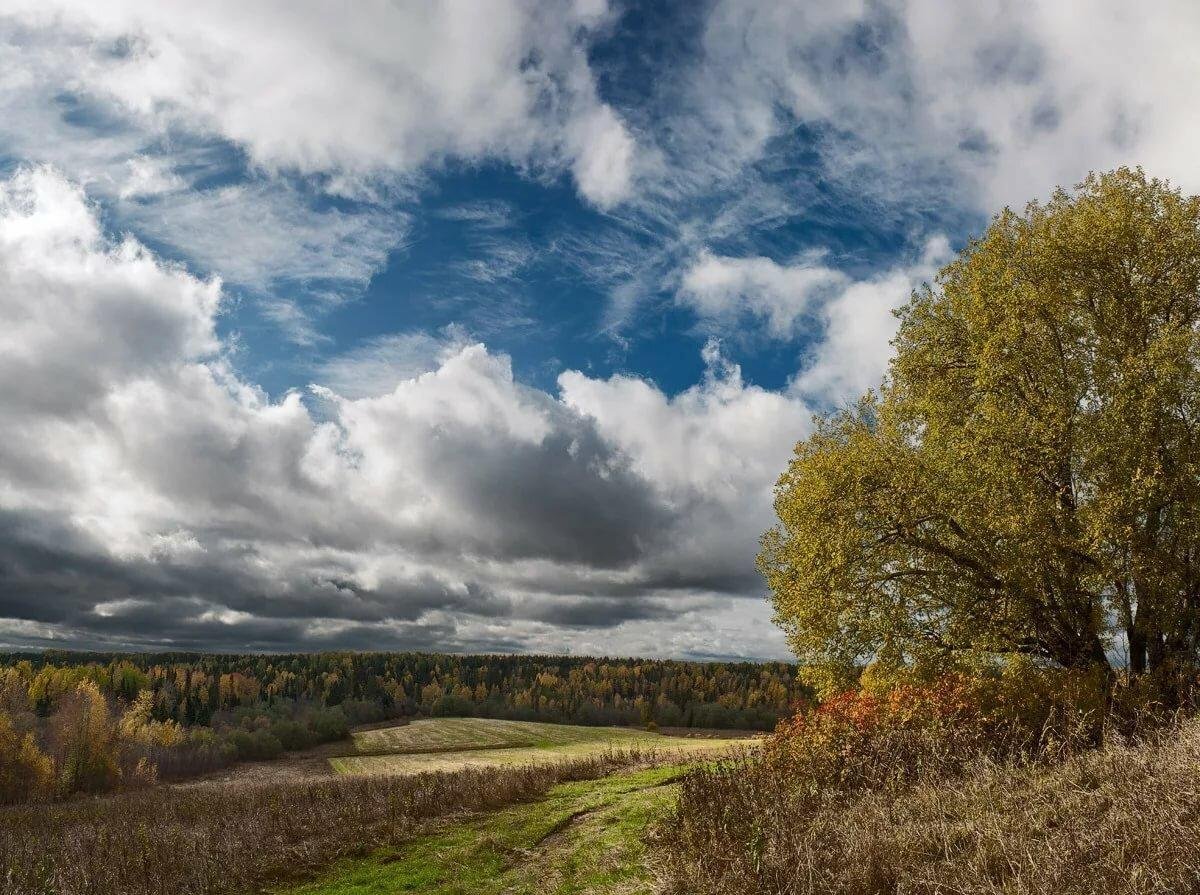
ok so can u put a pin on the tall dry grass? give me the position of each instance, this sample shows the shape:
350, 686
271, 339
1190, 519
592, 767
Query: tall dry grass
1124, 818
236, 837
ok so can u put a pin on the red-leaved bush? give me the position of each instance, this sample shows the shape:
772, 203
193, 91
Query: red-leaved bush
892, 729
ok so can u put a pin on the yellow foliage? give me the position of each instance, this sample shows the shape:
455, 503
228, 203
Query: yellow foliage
25, 772
1027, 480
88, 742
137, 726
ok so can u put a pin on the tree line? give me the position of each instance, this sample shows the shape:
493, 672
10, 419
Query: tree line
88, 722
191, 689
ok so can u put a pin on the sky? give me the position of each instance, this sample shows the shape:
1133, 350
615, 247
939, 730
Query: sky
489, 326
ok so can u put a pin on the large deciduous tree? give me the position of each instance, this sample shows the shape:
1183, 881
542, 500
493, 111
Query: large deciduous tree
1027, 478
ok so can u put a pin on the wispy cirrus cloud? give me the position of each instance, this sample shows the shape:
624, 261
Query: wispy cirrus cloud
977, 104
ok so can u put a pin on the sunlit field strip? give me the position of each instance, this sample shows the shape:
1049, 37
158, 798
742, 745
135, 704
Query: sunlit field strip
416, 763
448, 734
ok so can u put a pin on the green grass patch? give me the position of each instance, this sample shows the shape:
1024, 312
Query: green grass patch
582, 837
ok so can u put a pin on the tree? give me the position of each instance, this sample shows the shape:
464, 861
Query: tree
87, 741
1027, 478
25, 772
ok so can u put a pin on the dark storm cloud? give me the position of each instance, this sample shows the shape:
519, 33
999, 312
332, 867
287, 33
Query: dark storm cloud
570, 498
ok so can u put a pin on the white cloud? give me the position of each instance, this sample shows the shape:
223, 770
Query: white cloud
714, 451
604, 153
296, 325
721, 289
149, 177
978, 104
263, 235
716, 438
374, 94
380, 364
855, 349
149, 494
72, 295
849, 323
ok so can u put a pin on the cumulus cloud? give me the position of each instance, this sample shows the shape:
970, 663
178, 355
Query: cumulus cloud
149, 494
357, 98
859, 325
848, 322
713, 451
720, 289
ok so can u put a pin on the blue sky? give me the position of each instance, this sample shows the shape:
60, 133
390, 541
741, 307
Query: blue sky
488, 326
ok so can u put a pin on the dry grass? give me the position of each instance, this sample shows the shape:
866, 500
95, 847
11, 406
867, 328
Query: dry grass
228, 838
1121, 819
459, 734
418, 763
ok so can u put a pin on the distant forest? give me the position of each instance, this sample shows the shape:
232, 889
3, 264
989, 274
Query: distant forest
192, 688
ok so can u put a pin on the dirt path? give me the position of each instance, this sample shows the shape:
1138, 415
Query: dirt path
582, 838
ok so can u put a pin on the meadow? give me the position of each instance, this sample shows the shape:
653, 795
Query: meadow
583, 836
582, 795
447, 744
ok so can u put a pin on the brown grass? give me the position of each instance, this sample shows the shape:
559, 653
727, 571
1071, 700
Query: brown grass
1121, 819
235, 837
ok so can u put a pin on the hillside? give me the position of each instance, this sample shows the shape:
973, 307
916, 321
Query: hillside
1121, 819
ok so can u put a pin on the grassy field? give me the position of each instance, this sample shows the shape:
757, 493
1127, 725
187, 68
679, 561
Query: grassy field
447, 744
585, 836
418, 762
458, 734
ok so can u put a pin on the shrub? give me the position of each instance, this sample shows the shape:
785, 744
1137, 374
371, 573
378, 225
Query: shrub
292, 735
255, 745
329, 725
897, 726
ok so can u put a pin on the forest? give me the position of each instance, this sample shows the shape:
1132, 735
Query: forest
92, 721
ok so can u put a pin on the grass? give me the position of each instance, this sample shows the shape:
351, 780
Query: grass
229, 838
458, 734
447, 744
1124, 818
582, 837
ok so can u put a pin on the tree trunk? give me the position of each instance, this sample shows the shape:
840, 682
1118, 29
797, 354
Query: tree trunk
1137, 650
